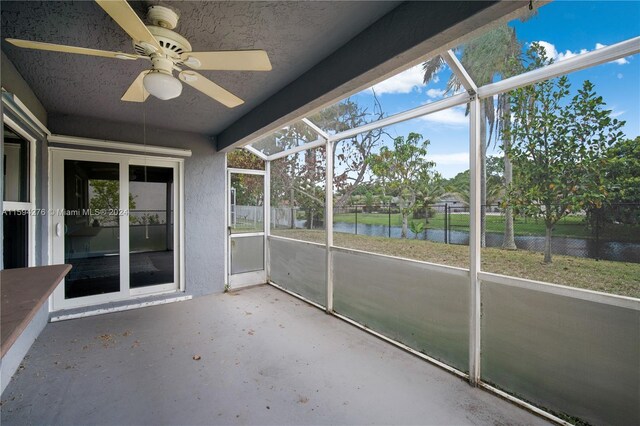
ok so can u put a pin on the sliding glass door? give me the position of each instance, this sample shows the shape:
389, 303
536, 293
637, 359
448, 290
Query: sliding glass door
91, 227
114, 219
152, 258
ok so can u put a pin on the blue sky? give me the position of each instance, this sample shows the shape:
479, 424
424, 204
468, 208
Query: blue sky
565, 28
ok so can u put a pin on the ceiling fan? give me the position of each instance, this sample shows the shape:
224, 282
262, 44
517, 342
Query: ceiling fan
167, 51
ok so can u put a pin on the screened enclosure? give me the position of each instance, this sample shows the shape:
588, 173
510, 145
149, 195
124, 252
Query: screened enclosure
473, 272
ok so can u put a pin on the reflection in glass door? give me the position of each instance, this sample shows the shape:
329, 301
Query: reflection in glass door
246, 228
92, 225
151, 235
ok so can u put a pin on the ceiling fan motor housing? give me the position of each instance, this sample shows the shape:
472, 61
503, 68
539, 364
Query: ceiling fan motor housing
164, 20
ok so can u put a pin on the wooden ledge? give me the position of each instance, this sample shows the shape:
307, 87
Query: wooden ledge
23, 291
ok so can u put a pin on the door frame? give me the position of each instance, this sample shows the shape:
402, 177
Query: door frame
57, 156
235, 281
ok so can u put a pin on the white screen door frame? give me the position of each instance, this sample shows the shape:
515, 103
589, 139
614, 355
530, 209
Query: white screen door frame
236, 241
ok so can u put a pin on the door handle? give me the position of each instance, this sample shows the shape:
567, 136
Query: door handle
58, 229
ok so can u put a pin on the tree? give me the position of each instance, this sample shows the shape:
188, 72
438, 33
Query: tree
350, 154
622, 176
404, 171
243, 159
486, 58
105, 199
558, 148
297, 180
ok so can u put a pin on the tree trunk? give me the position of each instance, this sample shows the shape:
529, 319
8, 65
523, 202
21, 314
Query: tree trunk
292, 200
508, 242
405, 223
547, 244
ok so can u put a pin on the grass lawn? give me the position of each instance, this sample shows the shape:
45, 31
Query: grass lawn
610, 277
571, 226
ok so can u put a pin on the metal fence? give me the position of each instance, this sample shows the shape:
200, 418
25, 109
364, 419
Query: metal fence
611, 232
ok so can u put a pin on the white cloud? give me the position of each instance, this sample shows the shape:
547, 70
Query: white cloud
455, 158
617, 113
435, 93
452, 116
549, 49
405, 82
552, 52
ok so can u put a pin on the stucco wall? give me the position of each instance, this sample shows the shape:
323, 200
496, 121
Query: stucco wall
13, 82
203, 192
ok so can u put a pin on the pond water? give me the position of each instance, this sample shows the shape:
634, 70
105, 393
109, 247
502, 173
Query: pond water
579, 247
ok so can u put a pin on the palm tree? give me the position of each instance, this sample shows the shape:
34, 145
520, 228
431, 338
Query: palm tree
485, 58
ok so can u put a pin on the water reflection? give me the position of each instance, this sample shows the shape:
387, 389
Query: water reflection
579, 247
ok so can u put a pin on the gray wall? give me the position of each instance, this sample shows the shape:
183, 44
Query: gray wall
204, 195
13, 82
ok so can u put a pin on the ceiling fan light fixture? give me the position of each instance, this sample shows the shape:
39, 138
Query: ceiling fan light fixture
192, 62
162, 86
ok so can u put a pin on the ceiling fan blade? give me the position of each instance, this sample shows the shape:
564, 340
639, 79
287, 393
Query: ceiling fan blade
209, 88
232, 60
124, 16
69, 49
136, 92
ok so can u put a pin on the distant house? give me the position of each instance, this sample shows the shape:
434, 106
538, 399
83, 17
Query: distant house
455, 201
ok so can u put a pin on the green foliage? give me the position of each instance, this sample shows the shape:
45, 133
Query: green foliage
404, 172
622, 176
416, 227
493, 55
243, 159
249, 189
558, 147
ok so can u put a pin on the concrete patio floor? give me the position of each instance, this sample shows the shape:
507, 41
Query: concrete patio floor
265, 358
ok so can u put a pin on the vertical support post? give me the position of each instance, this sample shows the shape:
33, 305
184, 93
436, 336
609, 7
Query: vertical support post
598, 214
356, 219
389, 218
446, 223
474, 241
267, 217
168, 217
328, 205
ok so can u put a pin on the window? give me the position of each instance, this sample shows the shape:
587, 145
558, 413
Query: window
18, 198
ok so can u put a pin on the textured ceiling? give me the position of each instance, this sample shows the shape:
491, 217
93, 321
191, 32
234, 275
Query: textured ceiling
296, 35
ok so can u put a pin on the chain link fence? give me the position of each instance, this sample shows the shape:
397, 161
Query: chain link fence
611, 232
